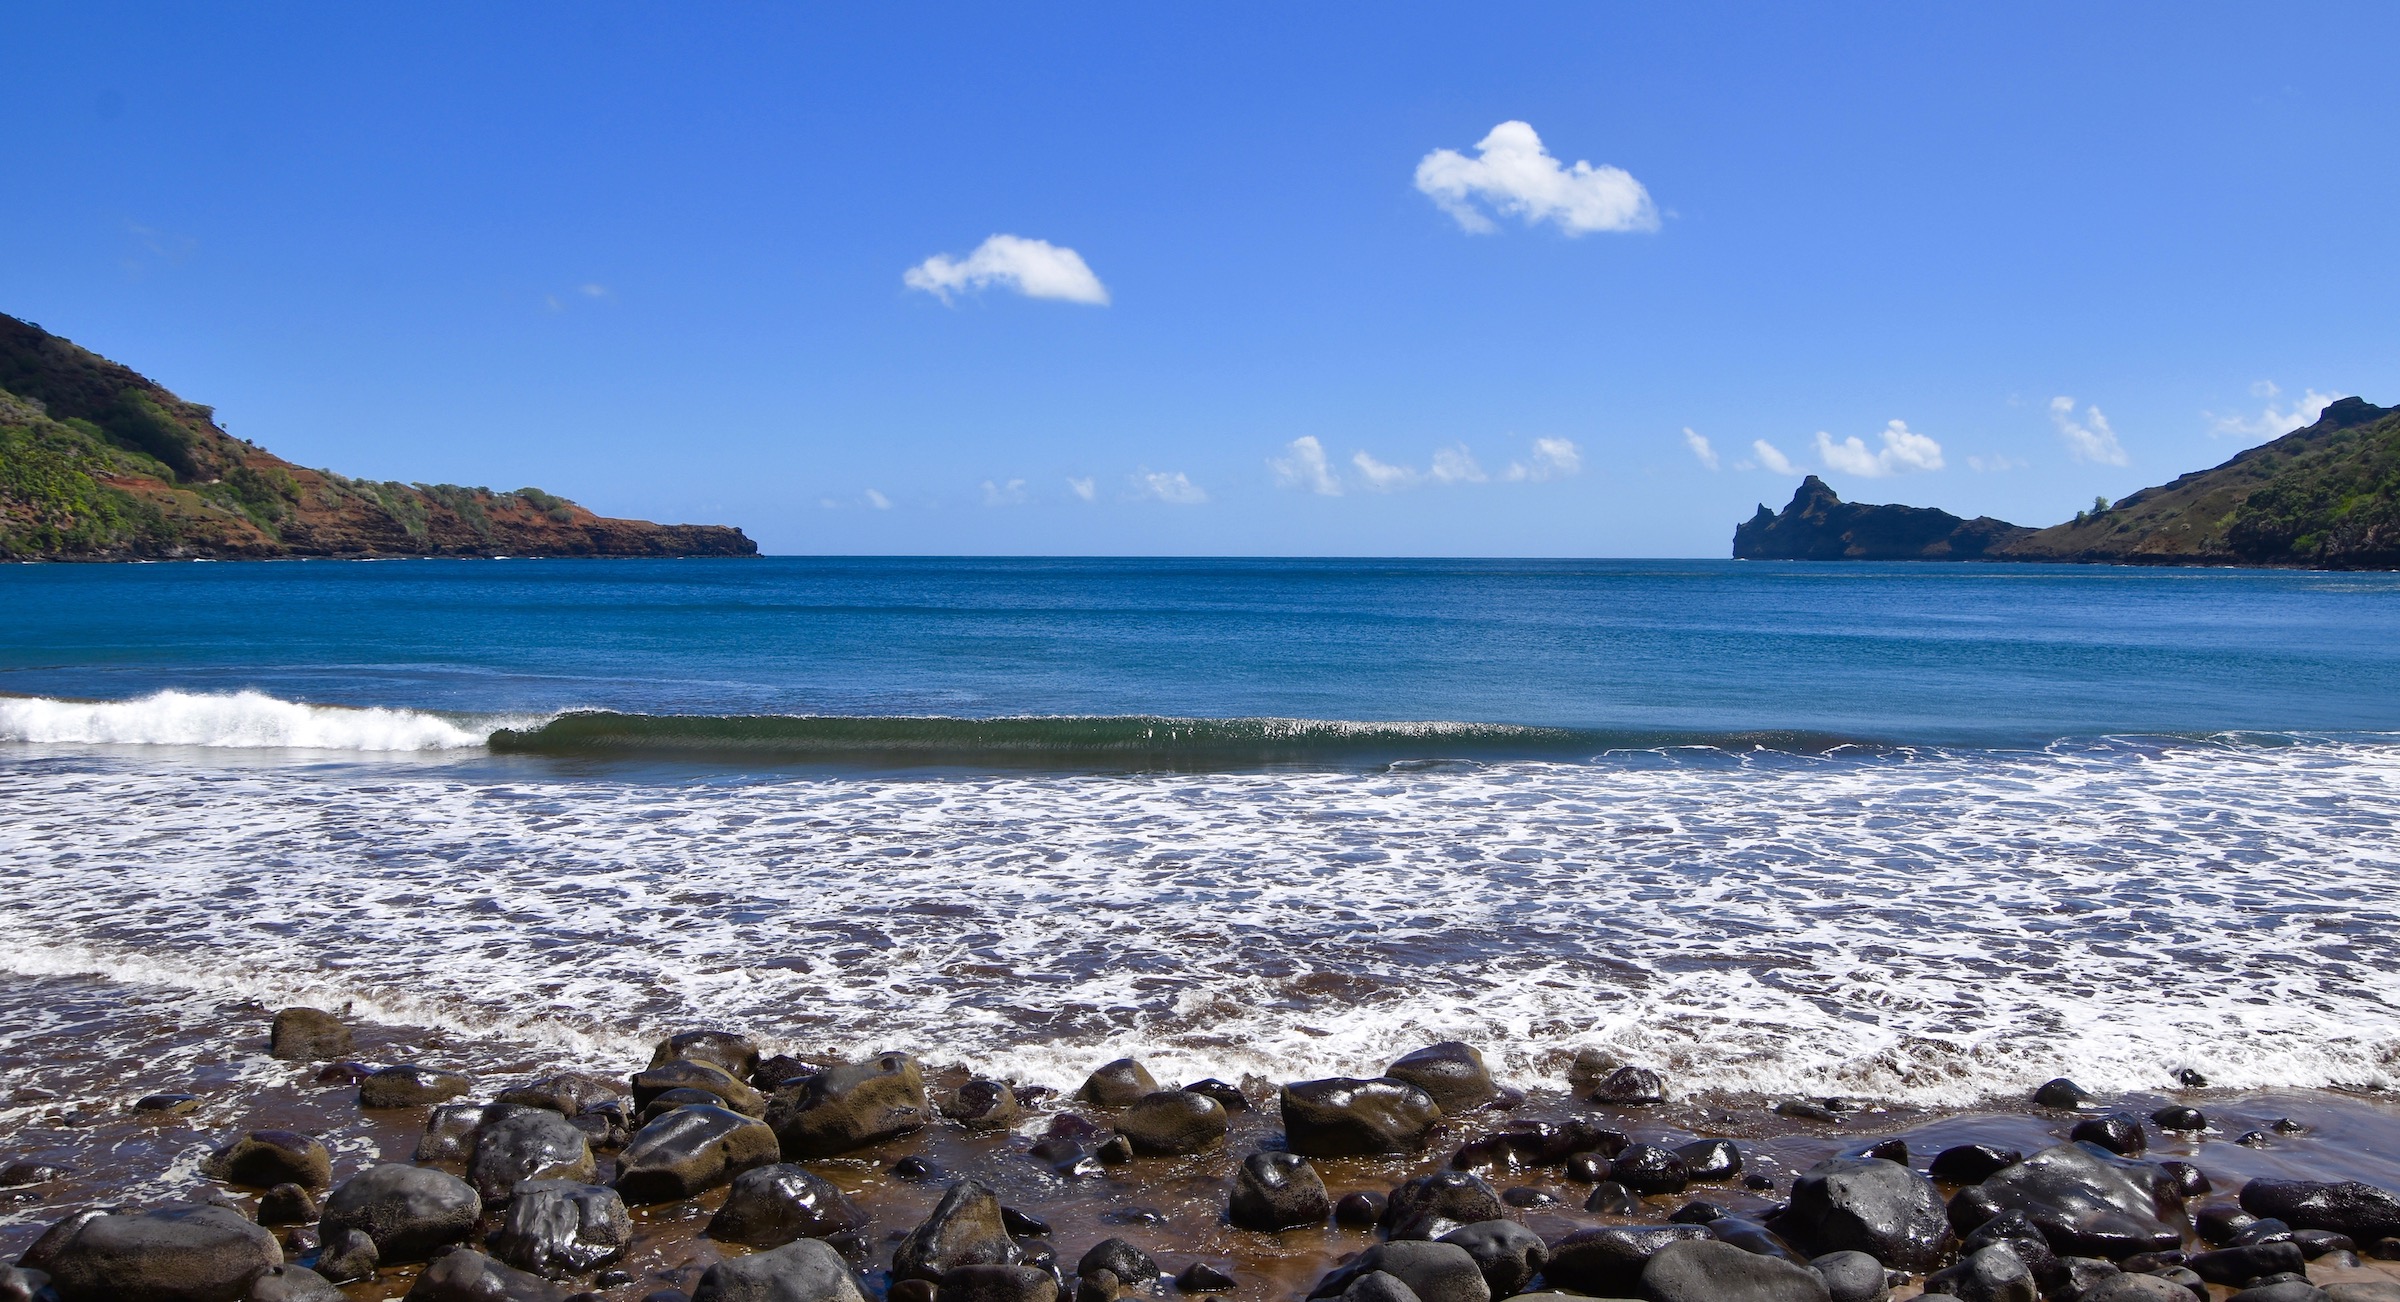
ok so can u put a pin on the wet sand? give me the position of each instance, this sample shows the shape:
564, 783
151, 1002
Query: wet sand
69, 1095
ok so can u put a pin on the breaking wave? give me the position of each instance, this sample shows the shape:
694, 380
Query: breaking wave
239, 720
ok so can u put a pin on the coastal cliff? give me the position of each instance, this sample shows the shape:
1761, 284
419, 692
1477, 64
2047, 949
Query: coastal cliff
99, 463
2324, 497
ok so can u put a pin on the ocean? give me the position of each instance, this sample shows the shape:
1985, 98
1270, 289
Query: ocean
1926, 834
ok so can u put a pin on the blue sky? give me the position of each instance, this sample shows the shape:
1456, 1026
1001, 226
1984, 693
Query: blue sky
658, 258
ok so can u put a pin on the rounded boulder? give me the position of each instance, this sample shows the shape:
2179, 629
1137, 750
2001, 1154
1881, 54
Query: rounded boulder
1345, 1117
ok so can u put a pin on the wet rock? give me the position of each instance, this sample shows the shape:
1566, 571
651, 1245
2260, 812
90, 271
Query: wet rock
468, 1276
531, 1144
179, 1252
1852, 1277
1588, 1068
1128, 1265
562, 1227
168, 1105
281, 1284
1707, 1271
1120, 1084
1630, 1086
736, 1055
1647, 1169
2290, 1290
1201, 1277
1710, 1161
2086, 1201
997, 1284
917, 1168
983, 1105
1066, 1157
2269, 1230
1360, 1210
1173, 1121
2136, 1288
805, 1270
1116, 1152
2317, 1243
2118, 1132
1990, 1274
1973, 1163
1508, 1254
2018, 1231
2179, 1117
906, 1290
689, 1151
2362, 1211
847, 1106
1376, 1286
263, 1159
769, 1206
1433, 1205
1588, 1168
406, 1211
16, 1175
1229, 1097
1453, 1073
1803, 1110
1023, 1225
965, 1229
1098, 1286
407, 1085
307, 1035
288, 1204
1277, 1191
1607, 1261
345, 1256
2217, 1223
2237, 1266
1342, 1116
1434, 1272
450, 1132
706, 1077
2061, 1093
569, 1094
2190, 1181
1890, 1150
1865, 1205
667, 1101
1750, 1236
1612, 1199
774, 1073
1525, 1197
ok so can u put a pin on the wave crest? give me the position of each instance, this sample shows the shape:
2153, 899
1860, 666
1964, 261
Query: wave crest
241, 720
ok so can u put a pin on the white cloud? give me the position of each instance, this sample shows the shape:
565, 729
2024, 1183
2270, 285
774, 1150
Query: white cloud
1903, 450
2270, 423
1698, 443
1383, 477
1552, 459
1457, 466
2089, 439
1171, 486
878, 500
1772, 457
1303, 466
1516, 176
1084, 488
1034, 268
1011, 493
1995, 464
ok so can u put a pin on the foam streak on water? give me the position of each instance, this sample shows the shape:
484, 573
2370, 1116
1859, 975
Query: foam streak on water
1936, 926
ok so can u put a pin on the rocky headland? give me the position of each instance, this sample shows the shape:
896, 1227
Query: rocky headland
2324, 497
718, 1172
99, 463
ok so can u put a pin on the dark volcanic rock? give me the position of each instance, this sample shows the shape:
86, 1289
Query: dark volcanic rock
1991, 1274
965, 1229
288, 1204
689, 1151
1120, 1084
468, 1276
1360, 1210
1434, 1272
2137, 1288
1343, 1117
2118, 1132
528, 1145
1973, 1163
405, 1211
1229, 1096
1706, 1271
1607, 1261
263, 1159
1710, 1161
450, 1132
850, 1105
737, 1055
983, 1105
769, 1206
1433, 1205
569, 1094
806, 1270
706, 1077
180, 1252
1127, 1264
2179, 1117
308, 1035
408, 1085
1508, 1254
1865, 1205
1612, 1199
1629, 1086
1820, 526
2362, 1211
989, 1283
1647, 1169
2238, 1266
2061, 1093
2087, 1202
1173, 1121
560, 1227
1852, 1277
1277, 1191
1201, 1277
279, 1284
1453, 1073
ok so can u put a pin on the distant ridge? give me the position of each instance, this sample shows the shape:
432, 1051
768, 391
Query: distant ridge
99, 463
2324, 497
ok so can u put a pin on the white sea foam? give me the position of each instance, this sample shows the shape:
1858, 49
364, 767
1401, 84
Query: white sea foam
247, 720
1940, 927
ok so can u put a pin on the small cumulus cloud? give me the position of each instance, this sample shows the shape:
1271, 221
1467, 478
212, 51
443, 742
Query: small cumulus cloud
878, 500
1514, 175
1699, 445
1085, 488
1034, 268
1552, 459
1011, 493
2275, 421
1382, 476
1903, 450
1303, 465
1170, 486
2087, 439
1772, 458
1456, 466
1995, 464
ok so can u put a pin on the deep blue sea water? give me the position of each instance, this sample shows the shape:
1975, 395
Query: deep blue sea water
1933, 832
